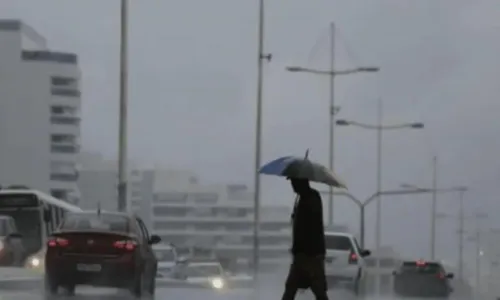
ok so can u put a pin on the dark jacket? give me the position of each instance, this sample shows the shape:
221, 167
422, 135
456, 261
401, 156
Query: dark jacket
308, 230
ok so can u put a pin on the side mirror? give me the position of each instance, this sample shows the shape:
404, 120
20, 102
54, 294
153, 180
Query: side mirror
450, 275
365, 253
154, 239
47, 216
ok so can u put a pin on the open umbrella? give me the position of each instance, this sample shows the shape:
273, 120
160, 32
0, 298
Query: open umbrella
303, 168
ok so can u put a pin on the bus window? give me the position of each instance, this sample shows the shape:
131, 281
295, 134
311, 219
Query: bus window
48, 230
57, 218
53, 220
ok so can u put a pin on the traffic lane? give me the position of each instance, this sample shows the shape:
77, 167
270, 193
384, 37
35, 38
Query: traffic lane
87, 293
84, 293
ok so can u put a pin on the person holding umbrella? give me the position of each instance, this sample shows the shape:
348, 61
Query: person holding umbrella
308, 248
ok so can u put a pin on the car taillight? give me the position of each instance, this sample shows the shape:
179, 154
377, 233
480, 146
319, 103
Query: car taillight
441, 276
125, 244
58, 242
353, 258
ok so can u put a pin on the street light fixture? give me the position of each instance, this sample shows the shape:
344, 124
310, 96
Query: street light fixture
434, 214
379, 127
332, 73
297, 69
415, 125
461, 190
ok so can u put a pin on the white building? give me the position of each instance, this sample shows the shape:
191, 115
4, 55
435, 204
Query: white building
39, 112
218, 217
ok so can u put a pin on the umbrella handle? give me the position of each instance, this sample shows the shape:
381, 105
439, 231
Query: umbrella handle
297, 196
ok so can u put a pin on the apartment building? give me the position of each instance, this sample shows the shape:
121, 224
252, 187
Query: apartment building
188, 213
40, 102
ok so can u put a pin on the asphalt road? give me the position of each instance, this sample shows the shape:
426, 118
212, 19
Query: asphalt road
84, 293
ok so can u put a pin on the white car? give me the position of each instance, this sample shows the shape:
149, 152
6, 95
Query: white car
167, 260
208, 274
344, 260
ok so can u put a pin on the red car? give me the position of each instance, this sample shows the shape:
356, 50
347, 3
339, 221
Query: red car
102, 249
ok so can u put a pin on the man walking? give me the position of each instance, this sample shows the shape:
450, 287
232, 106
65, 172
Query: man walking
308, 249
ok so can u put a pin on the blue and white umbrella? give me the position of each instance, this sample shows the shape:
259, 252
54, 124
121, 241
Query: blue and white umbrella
302, 168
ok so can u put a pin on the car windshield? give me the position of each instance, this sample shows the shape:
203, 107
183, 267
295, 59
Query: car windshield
203, 271
421, 268
95, 222
165, 254
336, 242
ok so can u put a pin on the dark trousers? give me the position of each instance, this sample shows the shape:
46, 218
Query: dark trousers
306, 272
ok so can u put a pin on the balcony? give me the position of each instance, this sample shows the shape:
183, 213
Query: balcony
67, 120
64, 148
64, 177
65, 92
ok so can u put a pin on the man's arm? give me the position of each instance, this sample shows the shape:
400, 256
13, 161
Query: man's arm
316, 221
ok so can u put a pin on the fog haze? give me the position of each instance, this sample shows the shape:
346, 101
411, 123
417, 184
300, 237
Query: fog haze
192, 93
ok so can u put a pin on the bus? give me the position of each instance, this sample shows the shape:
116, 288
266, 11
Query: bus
35, 213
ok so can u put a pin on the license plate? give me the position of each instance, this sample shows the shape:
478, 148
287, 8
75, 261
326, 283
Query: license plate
88, 268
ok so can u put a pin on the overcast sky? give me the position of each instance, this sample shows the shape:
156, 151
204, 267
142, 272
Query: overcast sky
193, 80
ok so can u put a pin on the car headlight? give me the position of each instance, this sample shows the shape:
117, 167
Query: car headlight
35, 262
217, 283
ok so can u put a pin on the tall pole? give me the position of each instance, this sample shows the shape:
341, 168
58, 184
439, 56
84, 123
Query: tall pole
122, 138
258, 136
434, 208
378, 218
478, 261
461, 219
331, 128
362, 225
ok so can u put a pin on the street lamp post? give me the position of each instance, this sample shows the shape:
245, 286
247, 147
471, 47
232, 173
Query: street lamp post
261, 57
332, 110
460, 189
122, 134
379, 128
362, 204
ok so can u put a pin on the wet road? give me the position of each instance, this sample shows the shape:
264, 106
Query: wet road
172, 294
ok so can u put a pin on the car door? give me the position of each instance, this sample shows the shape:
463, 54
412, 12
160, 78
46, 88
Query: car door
150, 258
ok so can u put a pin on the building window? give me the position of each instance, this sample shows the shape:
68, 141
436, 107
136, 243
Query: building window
63, 109
169, 211
275, 226
238, 227
204, 198
173, 197
62, 167
67, 149
168, 225
63, 177
63, 81
63, 138
65, 92
235, 212
203, 212
65, 120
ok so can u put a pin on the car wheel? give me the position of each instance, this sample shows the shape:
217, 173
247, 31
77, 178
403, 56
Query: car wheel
51, 286
70, 290
356, 284
152, 287
138, 287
